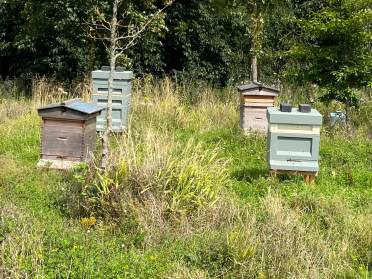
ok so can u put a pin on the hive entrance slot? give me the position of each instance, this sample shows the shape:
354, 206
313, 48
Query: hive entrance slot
62, 138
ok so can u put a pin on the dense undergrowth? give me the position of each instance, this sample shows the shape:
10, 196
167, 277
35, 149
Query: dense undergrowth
186, 195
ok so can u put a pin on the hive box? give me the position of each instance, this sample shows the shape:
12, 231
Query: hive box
293, 140
255, 98
68, 134
121, 98
338, 118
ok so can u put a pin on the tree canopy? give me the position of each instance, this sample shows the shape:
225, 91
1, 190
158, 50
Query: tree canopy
326, 42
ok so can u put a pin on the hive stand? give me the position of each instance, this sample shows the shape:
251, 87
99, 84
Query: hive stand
309, 177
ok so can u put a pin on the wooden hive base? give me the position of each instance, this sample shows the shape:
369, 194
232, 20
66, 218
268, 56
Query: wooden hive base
309, 177
57, 164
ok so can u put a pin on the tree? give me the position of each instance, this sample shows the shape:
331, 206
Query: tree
256, 11
333, 48
206, 42
40, 37
256, 28
118, 37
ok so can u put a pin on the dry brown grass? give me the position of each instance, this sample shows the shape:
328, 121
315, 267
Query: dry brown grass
46, 91
279, 241
164, 106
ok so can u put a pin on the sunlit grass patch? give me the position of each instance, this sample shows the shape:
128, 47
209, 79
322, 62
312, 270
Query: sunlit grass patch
20, 137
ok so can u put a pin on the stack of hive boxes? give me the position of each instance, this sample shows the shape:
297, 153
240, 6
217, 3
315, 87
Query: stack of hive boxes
255, 98
121, 97
293, 139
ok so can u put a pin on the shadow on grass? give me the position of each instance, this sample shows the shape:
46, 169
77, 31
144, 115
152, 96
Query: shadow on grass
250, 174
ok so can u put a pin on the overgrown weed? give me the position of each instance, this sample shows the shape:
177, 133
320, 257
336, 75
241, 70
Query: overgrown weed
155, 182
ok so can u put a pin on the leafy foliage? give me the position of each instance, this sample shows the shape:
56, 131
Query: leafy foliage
333, 49
325, 42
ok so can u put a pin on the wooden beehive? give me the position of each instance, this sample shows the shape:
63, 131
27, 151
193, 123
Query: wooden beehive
68, 133
293, 140
121, 97
255, 98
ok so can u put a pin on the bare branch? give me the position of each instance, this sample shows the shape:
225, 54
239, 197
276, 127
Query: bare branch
141, 29
102, 18
118, 53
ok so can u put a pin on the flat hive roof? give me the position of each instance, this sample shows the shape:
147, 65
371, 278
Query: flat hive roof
275, 116
75, 104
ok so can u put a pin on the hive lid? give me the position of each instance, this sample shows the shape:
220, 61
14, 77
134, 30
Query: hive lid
263, 90
74, 104
118, 74
274, 115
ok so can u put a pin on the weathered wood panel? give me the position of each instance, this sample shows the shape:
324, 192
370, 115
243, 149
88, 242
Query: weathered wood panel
254, 119
67, 114
89, 138
62, 138
54, 157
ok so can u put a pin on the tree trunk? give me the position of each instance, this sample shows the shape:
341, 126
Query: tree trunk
92, 50
112, 52
254, 68
256, 28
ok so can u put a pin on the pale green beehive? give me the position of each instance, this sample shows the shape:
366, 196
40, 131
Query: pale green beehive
293, 140
121, 97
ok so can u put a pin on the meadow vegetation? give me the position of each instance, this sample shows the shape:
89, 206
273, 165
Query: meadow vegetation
186, 195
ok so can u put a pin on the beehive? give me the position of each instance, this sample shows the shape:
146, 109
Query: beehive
255, 98
293, 140
68, 134
337, 118
121, 97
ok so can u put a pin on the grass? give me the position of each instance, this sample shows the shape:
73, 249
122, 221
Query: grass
187, 195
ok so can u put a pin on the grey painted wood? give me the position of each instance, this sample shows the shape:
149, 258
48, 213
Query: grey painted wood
118, 75
294, 117
284, 146
296, 148
121, 105
305, 166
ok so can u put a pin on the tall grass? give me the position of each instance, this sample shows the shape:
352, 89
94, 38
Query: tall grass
279, 241
45, 91
185, 195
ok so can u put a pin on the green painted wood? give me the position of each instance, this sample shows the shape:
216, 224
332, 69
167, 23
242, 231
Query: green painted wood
287, 146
